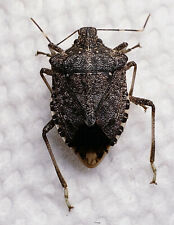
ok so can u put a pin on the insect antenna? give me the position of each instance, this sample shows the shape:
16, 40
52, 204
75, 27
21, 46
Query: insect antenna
140, 30
41, 30
67, 37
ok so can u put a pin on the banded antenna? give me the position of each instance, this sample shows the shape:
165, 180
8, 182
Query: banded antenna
41, 30
67, 37
140, 30
47, 36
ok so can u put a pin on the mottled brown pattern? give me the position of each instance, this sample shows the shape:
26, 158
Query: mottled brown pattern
111, 110
89, 89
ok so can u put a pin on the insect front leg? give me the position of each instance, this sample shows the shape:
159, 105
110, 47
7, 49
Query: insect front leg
54, 48
42, 53
122, 48
46, 129
48, 72
145, 102
130, 49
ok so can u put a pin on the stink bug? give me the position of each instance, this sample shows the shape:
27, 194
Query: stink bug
89, 98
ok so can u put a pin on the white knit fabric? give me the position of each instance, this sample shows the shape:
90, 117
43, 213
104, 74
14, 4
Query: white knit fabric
118, 190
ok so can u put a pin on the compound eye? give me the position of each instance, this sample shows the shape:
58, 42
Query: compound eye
99, 41
76, 41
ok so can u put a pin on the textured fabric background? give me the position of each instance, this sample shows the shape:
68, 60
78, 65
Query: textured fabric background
118, 190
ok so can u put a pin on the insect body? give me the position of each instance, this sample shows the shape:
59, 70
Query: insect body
89, 98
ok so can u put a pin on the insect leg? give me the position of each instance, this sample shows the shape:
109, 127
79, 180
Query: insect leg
46, 129
54, 48
42, 53
122, 48
145, 102
130, 49
128, 66
48, 72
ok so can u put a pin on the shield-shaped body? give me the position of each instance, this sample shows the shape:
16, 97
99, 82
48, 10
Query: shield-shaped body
89, 96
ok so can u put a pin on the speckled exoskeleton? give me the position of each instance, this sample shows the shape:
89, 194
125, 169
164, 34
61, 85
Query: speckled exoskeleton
89, 98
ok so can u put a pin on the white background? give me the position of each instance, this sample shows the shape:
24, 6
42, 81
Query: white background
118, 190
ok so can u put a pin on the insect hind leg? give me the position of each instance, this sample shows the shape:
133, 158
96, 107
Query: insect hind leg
46, 129
145, 102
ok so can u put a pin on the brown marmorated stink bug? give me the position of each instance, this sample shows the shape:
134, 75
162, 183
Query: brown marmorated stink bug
89, 98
